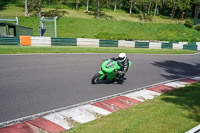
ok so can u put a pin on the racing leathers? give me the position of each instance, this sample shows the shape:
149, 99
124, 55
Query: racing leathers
124, 66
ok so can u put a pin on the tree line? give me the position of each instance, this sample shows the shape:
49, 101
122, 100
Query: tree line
171, 8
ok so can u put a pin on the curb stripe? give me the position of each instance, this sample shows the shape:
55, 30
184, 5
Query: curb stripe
23, 127
176, 84
128, 100
78, 114
47, 125
114, 104
60, 120
161, 89
142, 95
189, 80
108, 107
81, 114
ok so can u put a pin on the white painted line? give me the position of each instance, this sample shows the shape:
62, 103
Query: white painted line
143, 95
59, 120
194, 130
176, 84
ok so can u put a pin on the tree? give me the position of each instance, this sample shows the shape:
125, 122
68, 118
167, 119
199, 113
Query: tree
98, 8
132, 4
150, 1
39, 8
197, 8
35, 5
26, 8
173, 8
77, 2
144, 8
115, 6
157, 2
184, 4
179, 4
87, 9
131, 7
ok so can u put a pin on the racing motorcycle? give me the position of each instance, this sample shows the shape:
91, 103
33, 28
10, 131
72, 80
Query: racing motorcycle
108, 72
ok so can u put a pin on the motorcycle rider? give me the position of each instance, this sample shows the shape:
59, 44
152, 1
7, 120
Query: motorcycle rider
123, 62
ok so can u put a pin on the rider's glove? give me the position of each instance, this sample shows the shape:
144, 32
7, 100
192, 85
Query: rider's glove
120, 72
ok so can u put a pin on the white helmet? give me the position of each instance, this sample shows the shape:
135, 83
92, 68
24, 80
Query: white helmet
122, 57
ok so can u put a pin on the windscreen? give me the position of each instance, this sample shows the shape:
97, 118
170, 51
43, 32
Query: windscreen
110, 64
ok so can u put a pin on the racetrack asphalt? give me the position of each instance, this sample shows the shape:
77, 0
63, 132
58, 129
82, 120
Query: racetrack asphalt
31, 84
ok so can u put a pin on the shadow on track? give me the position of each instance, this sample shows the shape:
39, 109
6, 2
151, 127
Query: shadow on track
178, 69
113, 82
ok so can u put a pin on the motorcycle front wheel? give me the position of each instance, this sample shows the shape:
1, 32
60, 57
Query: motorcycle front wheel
95, 79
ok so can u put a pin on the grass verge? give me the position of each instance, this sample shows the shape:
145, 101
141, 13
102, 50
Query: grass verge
70, 49
116, 30
177, 111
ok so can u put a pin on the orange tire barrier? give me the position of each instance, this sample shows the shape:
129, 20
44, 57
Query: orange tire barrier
25, 40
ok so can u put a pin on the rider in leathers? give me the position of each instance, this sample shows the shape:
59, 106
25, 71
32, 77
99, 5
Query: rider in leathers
123, 61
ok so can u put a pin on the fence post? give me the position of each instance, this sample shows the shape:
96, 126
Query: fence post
55, 29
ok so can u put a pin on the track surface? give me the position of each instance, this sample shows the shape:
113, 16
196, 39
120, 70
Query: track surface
31, 84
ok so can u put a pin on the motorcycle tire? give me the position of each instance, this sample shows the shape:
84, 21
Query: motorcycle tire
95, 79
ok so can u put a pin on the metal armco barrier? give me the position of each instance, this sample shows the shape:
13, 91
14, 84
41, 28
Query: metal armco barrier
87, 42
167, 45
40, 41
141, 44
108, 43
4, 40
52, 41
123, 43
63, 41
154, 45
190, 47
198, 45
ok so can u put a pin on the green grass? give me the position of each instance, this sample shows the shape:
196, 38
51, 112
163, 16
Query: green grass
116, 30
70, 49
174, 112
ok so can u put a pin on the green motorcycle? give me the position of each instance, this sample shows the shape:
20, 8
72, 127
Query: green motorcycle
107, 72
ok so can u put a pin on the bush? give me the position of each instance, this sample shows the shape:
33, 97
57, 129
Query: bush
198, 27
188, 23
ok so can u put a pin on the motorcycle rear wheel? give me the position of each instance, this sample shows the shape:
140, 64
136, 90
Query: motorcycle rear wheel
95, 79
